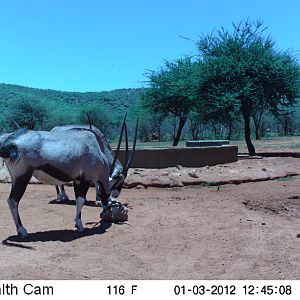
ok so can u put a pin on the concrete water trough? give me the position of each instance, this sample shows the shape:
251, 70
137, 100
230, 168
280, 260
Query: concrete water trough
184, 156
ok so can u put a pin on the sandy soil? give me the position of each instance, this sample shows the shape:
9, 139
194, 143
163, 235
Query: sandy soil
245, 231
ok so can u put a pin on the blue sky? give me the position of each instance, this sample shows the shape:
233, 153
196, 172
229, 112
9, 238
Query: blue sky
89, 45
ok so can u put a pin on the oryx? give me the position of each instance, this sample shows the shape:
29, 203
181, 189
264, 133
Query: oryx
117, 173
56, 158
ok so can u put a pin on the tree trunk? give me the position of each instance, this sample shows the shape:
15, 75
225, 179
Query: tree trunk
257, 135
250, 146
178, 134
229, 132
174, 127
286, 126
256, 121
215, 130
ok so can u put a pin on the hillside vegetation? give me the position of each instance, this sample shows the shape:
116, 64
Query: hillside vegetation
44, 108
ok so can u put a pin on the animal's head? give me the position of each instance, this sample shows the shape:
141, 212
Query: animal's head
118, 173
116, 182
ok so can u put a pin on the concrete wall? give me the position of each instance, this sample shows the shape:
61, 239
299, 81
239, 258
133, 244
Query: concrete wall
186, 157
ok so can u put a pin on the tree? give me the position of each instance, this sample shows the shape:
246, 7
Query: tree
30, 112
100, 118
172, 91
195, 125
285, 119
245, 68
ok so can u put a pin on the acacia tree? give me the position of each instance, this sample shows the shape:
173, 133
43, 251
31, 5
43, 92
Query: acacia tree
285, 119
172, 91
30, 112
100, 118
245, 68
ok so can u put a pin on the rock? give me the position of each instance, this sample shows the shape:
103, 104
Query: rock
193, 174
140, 187
115, 214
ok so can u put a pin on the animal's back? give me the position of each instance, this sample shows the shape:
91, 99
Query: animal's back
75, 153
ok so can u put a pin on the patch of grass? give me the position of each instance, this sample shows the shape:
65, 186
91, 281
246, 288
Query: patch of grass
201, 185
210, 185
287, 178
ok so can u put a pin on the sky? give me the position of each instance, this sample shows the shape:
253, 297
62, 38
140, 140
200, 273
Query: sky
100, 45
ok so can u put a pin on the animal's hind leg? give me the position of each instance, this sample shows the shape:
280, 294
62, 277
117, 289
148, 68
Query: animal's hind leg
61, 194
18, 188
80, 190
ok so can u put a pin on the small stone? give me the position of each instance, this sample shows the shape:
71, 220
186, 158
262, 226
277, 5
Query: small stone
140, 187
193, 174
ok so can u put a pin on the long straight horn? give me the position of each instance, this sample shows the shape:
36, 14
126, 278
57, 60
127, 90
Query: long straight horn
133, 150
89, 119
118, 148
126, 149
12, 120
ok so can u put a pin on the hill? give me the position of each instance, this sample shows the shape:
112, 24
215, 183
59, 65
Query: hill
116, 100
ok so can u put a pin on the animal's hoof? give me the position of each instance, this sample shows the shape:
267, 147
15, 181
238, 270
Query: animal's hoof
22, 232
98, 203
62, 199
79, 227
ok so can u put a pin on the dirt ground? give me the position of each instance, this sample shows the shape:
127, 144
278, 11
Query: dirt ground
245, 231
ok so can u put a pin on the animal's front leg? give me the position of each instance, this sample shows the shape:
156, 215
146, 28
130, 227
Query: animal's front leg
98, 197
79, 204
103, 193
80, 189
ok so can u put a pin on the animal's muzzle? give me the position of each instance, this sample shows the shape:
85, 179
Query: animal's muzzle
115, 193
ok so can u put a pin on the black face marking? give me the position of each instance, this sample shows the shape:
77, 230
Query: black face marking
56, 173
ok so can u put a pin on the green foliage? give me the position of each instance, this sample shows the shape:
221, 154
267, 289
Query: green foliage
29, 112
99, 117
172, 88
239, 77
44, 109
172, 91
242, 72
